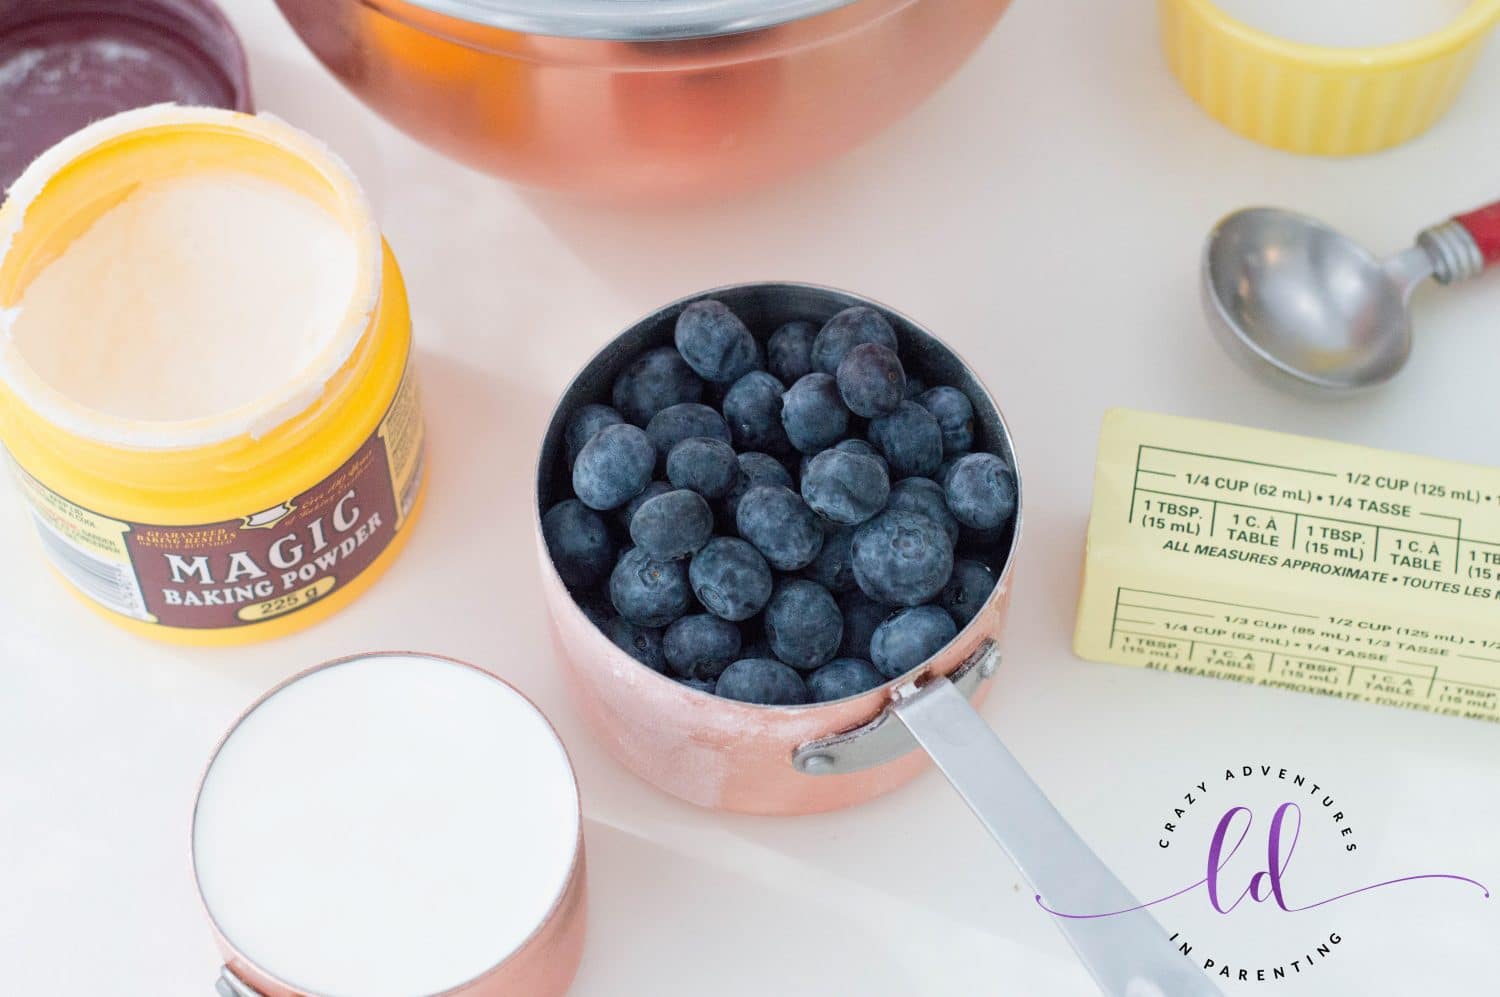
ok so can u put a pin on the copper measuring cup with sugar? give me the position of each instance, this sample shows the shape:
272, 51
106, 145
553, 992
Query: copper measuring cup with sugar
790, 760
392, 823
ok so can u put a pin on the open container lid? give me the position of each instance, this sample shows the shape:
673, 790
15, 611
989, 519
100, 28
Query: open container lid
67, 63
631, 20
389, 825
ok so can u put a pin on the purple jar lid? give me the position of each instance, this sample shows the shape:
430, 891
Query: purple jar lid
66, 63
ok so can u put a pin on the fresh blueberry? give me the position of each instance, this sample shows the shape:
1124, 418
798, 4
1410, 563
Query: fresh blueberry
871, 380
579, 542
701, 646
614, 467
846, 330
763, 681
945, 468
673, 525
753, 410
813, 413
861, 616
658, 379
909, 638
649, 593
864, 448
780, 525
707, 466
714, 342
676, 423
910, 439
924, 497
955, 417
644, 644
803, 624
982, 491
702, 685
842, 678
967, 590
586, 422
730, 578
845, 488
833, 568
901, 558
755, 469
789, 354
626, 512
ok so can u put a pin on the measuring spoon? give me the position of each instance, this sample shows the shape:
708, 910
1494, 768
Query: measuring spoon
1304, 303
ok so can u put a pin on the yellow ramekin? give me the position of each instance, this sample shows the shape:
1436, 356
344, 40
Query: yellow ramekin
258, 493
1315, 99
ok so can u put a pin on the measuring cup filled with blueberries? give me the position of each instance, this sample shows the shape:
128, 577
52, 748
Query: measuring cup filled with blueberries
777, 524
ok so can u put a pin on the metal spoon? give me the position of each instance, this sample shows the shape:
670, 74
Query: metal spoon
1295, 299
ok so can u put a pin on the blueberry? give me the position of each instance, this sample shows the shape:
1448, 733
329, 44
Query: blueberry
753, 410
676, 423
842, 678
955, 417
649, 593
813, 413
707, 466
584, 423
672, 525
967, 590
861, 616
578, 540
763, 681
803, 624
789, 353
644, 644
701, 646
780, 525
702, 685
910, 439
901, 558
924, 497
714, 342
730, 578
614, 467
871, 380
833, 568
982, 491
626, 512
909, 638
915, 386
846, 330
755, 469
946, 467
843, 487
658, 379
864, 448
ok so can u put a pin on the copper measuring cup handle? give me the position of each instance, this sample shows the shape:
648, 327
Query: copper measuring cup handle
1464, 246
230, 985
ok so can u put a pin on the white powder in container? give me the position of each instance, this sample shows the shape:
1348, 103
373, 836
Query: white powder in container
192, 297
1345, 23
388, 826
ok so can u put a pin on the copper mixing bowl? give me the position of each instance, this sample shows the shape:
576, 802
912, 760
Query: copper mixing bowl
659, 100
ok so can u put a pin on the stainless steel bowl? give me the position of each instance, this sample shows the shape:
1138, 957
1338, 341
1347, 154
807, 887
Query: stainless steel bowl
658, 100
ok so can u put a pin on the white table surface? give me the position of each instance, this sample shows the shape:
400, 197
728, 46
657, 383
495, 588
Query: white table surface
1044, 213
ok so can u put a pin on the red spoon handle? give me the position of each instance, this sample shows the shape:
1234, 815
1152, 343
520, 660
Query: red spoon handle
1483, 225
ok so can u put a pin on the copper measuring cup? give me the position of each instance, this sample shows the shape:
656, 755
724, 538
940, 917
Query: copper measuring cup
739, 757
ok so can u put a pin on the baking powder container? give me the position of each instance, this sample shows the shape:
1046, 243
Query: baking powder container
67, 63
1319, 99
392, 825
736, 756
245, 523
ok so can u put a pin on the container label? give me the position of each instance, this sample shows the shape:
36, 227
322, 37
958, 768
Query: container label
1277, 560
266, 564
